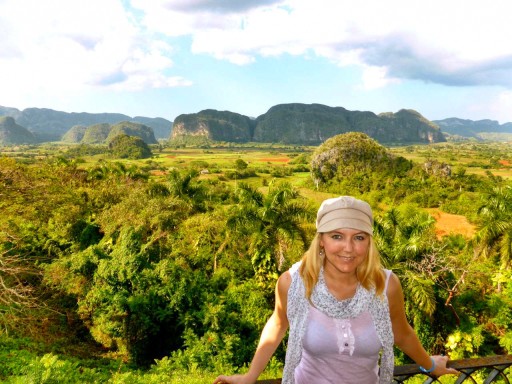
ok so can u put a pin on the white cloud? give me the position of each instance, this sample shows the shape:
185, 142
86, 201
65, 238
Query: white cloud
74, 45
456, 42
55, 46
376, 77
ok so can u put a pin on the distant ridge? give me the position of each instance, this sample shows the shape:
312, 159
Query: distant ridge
293, 123
480, 129
306, 124
50, 125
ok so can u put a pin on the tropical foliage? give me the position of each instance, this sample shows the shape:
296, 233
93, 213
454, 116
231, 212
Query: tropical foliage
113, 272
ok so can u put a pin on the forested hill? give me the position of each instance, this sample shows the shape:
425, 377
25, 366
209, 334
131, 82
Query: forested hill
50, 125
307, 124
104, 133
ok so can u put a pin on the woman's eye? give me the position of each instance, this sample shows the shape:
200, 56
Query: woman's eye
360, 238
336, 237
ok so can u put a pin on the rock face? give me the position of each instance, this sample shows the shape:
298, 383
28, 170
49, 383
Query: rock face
406, 125
215, 125
12, 133
308, 124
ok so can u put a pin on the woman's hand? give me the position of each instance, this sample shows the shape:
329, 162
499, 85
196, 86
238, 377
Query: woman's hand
234, 379
441, 368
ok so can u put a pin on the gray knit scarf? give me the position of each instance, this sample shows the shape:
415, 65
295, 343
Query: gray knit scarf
297, 312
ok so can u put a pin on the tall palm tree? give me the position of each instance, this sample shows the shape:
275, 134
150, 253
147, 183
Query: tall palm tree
404, 239
494, 235
272, 222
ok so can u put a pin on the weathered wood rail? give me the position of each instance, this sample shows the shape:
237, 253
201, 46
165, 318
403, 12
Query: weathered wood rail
494, 369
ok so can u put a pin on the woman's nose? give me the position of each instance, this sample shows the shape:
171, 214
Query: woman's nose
348, 245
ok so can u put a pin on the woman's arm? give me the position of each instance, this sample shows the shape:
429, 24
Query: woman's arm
271, 336
405, 336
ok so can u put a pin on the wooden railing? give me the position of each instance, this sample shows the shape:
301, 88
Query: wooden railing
491, 369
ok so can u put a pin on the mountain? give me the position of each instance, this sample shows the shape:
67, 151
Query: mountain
130, 128
161, 127
307, 124
217, 125
12, 133
104, 133
75, 134
50, 125
479, 129
12, 112
96, 134
295, 123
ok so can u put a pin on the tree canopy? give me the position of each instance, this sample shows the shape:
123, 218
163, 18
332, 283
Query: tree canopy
129, 147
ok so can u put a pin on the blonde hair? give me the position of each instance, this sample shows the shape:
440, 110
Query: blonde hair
370, 273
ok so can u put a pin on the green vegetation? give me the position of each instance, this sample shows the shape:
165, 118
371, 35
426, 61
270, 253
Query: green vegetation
162, 269
129, 147
356, 156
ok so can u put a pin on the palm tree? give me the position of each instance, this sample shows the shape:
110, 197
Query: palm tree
405, 238
272, 222
494, 236
186, 187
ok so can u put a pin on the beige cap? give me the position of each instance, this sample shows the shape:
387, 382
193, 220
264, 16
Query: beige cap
344, 212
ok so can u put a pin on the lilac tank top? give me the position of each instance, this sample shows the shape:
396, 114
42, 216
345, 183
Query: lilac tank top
329, 345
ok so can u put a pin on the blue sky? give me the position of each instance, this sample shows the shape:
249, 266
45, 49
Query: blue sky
162, 58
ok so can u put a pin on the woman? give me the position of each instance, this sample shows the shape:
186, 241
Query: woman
345, 312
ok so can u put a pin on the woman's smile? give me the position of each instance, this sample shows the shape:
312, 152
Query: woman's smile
345, 249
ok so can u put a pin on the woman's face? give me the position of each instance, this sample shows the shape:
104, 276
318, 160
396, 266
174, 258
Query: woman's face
345, 249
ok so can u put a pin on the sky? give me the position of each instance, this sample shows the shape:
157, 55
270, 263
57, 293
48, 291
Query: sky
164, 58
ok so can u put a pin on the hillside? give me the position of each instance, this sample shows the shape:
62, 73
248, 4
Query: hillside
307, 124
105, 133
75, 134
96, 133
12, 133
50, 125
132, 129
216, 125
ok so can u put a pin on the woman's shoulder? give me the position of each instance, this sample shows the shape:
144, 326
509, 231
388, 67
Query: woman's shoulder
284, 281
393, 284
295, 267
288, 276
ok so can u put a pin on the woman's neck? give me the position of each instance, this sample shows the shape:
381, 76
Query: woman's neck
342, 285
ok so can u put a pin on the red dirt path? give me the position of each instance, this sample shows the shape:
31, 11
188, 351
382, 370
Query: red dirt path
447, 223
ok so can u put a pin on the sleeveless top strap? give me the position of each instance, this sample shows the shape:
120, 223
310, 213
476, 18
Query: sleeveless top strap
388, 275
